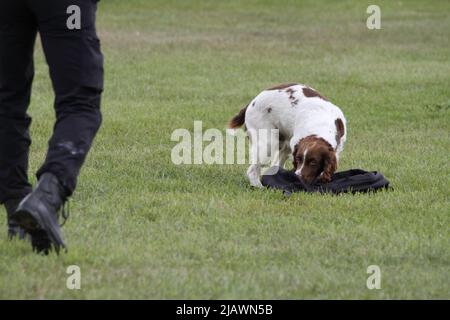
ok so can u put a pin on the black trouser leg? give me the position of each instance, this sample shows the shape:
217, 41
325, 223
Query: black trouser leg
76, 70
17, 37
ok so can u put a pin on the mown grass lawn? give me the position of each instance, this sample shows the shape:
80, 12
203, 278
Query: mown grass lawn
142, 227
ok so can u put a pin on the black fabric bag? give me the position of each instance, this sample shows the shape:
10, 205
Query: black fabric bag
355, 180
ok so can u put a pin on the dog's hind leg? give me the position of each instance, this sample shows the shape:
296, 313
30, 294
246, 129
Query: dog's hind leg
254, 171
260, 155
254, 175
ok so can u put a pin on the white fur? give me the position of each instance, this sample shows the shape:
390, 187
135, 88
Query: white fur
295, 116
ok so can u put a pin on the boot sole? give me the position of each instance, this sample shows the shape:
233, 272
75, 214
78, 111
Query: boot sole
31, 221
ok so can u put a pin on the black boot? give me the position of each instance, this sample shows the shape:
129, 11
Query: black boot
37, 214
13, 228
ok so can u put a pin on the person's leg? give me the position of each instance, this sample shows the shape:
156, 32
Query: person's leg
76, 69
17, 37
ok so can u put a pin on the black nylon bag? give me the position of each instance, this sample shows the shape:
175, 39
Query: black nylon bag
355, 180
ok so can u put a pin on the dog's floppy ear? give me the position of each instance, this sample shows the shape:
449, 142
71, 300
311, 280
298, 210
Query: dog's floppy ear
330, 166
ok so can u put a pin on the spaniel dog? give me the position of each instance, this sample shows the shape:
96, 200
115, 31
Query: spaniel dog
310, 128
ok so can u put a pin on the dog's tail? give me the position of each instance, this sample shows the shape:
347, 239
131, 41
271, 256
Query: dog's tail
238, 120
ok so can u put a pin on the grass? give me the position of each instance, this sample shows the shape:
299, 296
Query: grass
142, 227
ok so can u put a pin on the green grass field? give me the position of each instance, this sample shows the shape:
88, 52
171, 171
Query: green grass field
142, 227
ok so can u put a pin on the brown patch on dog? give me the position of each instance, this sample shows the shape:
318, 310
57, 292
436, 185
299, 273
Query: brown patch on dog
282, 86
311, 93
239, 119
320, 159
340, 130
269, 110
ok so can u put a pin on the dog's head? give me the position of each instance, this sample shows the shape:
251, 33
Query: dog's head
314, 158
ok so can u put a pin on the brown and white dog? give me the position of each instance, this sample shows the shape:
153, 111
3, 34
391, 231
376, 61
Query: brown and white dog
310, 128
